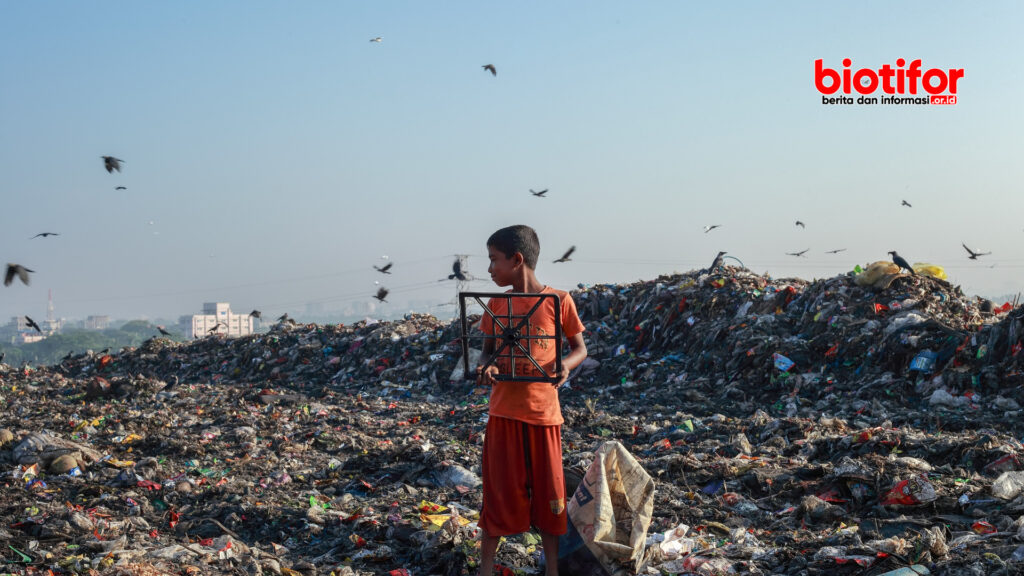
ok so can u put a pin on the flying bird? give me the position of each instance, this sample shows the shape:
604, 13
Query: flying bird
974, 255
385, 269
45, 234
120, 188
800, 224
16, 270
457, 272
711, 227
378, 39
797, 254
899, 261
905, 203
716, 263
565, 257
256, 314
111, 163
163, 331
539, 194
32, 324
381, 294
491, 69
836, 251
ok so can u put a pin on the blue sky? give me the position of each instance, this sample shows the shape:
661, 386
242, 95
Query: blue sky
273, 154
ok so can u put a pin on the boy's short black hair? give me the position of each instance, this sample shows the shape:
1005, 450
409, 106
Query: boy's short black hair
519, 238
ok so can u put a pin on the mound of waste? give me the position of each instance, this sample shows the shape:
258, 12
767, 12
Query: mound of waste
852, 425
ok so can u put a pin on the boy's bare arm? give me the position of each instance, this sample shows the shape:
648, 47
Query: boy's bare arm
577, 354
486, 377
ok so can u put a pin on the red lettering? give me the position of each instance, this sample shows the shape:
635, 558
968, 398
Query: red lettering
820, 74
867, 80
954, 75
927, 84
858, 81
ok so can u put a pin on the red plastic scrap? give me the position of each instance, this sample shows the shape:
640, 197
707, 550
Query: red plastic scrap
982, 527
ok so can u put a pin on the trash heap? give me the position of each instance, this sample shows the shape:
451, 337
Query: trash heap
849, 425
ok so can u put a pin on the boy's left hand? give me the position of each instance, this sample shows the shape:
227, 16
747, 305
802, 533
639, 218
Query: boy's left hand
563, 375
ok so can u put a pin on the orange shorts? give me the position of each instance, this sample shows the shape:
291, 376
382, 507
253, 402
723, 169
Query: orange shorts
523, 480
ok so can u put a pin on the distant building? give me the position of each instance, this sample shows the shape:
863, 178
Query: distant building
97, 322
217, 318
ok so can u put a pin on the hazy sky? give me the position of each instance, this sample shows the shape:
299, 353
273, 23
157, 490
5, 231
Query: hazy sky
273, 154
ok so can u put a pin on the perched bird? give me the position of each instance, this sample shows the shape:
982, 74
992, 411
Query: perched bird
378, 39
120, 188
899, 261
45, 234
16, 270
163, 331
32, 324
974, 255
111, 163
716, 263
457, 273
797, 254
539, 194
905, 203
385, 269
565, 257
800, 224
836, 251
491, 68
381, 294
283, 317
256, 314
3, 355
711, 227
216, 327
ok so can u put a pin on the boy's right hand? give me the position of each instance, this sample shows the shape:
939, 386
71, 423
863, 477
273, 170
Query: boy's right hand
486, 376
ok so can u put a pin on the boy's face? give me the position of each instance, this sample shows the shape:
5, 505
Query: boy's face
502, 268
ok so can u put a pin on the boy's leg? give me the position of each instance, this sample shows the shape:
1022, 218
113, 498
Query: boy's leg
550, 542
488, 548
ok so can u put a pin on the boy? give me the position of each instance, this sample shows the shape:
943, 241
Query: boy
522, 456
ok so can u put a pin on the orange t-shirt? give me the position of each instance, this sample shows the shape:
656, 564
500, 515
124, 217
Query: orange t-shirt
531, 402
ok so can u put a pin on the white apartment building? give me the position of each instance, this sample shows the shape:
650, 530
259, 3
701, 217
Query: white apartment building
218, 315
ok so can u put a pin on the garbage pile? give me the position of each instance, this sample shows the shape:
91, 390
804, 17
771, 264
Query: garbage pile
790, 427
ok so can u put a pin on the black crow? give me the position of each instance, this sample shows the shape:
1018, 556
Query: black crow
905, 203
539, 194
798, 254
491, 69
45, 234
16, 270
256, 314
565, 257
899, 261
32, 324
974, 255
120, 188
111, 163
381, 294
457, 273
385, 269
163, 331
716, 263
800, 224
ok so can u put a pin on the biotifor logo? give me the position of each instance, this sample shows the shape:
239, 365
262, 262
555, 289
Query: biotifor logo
900, 85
